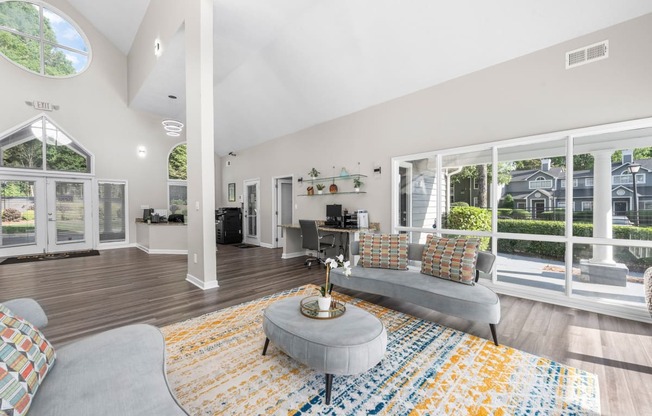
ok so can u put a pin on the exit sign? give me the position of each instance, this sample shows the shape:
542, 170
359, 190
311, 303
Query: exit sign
42, 105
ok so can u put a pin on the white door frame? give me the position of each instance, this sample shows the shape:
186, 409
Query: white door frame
278, 234
45, 225
251, 239
40, 219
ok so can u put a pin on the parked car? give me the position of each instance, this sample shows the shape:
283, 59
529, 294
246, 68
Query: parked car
621, 220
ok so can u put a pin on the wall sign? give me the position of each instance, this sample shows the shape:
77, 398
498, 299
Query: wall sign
42, 105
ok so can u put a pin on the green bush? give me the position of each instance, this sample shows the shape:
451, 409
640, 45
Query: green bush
521, 214
504, 212
471, 218
11, 215
557, 251
583, 216
28, 215
459, 204
507, 202
558, 214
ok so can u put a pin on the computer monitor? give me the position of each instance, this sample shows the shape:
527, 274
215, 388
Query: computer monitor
333, 211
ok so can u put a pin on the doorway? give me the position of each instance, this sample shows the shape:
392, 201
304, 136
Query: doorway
251, 211
621, 206
282, 209
538, 208
45, 215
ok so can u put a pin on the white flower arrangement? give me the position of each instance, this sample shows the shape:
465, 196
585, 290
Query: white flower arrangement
339, 262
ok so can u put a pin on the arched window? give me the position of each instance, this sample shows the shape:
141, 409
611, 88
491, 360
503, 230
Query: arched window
42, 40
177, 175
41, 140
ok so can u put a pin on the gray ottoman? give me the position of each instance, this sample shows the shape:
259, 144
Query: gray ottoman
350, 344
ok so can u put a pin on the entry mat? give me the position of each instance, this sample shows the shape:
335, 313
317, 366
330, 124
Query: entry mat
49, 256
215, 366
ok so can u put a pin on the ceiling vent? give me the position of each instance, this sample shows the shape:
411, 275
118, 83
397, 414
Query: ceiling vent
587, 54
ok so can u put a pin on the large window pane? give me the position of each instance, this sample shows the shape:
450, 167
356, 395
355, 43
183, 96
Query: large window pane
466, 183
62, 32
112, 212
70, 212
178, 199
536, 264
615, 185
60, 62
24, 149
533, 192
620, 282
17, 203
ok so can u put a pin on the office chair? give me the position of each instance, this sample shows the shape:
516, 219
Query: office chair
311, 240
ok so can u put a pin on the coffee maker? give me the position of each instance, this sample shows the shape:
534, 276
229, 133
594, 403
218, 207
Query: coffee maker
363, 218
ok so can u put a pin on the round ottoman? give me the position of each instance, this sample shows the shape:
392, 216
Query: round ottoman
350, 344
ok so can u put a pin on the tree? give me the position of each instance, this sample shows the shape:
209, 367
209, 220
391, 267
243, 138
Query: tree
483, 175
178, 163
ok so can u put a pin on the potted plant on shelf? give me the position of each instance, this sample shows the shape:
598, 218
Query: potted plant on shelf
357, 183
320, 188
325, 299
314, 173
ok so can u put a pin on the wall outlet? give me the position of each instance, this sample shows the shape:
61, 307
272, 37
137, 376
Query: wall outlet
194, 257
197, 205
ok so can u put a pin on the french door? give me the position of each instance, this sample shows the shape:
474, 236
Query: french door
251, 210
44, 215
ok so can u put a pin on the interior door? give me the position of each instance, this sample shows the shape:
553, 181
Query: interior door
251, 210
69, 215
283, 208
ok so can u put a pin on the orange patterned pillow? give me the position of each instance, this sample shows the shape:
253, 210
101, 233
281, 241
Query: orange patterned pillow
25, 359
450, 258
384, 251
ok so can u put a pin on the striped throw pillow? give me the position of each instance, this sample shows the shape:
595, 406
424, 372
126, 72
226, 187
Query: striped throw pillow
384, 251
450, 258
25, 358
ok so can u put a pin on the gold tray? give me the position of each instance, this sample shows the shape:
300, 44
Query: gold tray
310, 308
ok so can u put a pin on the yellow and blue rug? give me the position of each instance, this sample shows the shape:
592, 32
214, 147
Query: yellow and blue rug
215, 366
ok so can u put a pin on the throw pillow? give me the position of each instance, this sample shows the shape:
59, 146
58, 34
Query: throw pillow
384, 251
450, 258
25, 359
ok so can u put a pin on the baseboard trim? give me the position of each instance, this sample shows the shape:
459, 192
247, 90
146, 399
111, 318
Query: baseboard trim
160, 251
293, 255
200, 283
266, 245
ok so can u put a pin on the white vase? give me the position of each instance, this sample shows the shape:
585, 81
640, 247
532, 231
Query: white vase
356, 189
324, 303
319, 192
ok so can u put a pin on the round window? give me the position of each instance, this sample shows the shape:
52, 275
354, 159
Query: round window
42, 40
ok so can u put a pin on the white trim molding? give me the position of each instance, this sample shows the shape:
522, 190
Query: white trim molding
286, 256
201, 284
160, 251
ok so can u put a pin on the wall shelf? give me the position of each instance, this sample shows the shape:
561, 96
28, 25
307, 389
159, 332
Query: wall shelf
333, 179
334, 193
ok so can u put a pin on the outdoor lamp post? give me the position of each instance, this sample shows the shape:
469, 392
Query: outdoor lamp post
633, 169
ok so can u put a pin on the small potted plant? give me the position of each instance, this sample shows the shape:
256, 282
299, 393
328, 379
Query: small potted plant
320, 188
314, 173
357, 183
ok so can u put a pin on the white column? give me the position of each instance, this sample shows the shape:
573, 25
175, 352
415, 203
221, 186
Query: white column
202, 265
602, 215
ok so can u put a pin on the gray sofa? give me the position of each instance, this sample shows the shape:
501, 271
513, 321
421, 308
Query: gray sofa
476, 303
117, 372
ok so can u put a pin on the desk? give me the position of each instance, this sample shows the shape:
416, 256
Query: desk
162, 238
292, 246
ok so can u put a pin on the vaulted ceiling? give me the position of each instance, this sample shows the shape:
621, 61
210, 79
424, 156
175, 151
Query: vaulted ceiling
285, 65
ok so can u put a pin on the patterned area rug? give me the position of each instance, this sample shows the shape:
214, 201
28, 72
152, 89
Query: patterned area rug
215, 366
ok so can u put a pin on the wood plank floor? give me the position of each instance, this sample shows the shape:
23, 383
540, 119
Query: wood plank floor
87, 295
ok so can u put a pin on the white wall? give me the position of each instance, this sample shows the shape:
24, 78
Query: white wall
94, 110
529, 95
